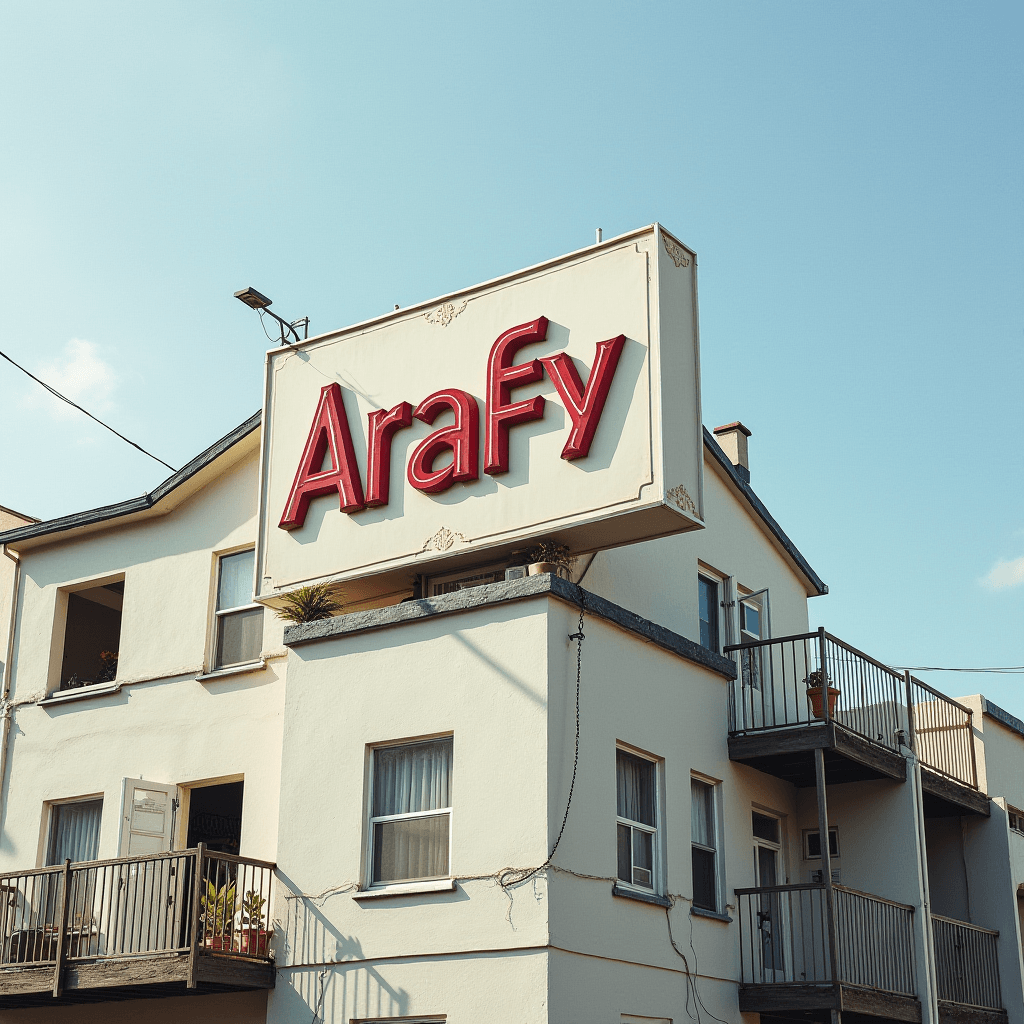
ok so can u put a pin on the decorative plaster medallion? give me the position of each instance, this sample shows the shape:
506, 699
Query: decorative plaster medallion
443, 540
445, 313
681, 498
677, 254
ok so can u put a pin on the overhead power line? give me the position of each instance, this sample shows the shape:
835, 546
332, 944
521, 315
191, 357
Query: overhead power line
75, 405
1001, 670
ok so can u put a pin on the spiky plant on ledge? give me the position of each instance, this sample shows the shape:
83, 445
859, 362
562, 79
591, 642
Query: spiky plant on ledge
309, 603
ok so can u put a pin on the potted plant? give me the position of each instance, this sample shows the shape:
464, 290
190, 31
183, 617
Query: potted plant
218, 910
309, 603
253, 936
816, 682
547, 556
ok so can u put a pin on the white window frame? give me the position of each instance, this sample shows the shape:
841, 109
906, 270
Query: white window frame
721, 622
716, 807
657, 857
406, 883
218, 614
49, 819
1014, 814
808, 832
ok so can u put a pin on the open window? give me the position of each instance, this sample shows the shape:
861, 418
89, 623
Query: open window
92, 635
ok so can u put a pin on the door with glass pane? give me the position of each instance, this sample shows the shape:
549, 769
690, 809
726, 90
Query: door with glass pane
75, 836
149, 894
755, 662
772, 912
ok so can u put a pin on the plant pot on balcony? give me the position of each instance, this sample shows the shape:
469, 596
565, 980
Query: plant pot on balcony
254, 941
814, 694
536, 568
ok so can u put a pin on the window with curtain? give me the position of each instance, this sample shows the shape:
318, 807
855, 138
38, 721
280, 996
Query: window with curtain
704, 837
411, 811
636, 813
239, 621
74, 831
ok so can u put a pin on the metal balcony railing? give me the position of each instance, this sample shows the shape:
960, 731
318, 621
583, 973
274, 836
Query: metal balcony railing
190, 902
811, 678
966, 963
789, 936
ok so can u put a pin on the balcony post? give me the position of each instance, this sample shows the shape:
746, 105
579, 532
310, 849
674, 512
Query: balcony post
193, 945
62, 925
826, 863
825, 681
911, 734
974, 756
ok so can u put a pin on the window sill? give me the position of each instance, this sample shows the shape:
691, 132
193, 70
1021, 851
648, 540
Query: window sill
406, 889
79, 693
234, 670
713, 914
640, 896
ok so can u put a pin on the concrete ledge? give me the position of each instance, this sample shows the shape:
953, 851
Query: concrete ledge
642, 897
502, 593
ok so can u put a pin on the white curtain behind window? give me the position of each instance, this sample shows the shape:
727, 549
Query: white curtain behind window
634, 788
701, 813
409, 780
412, 778
75, 831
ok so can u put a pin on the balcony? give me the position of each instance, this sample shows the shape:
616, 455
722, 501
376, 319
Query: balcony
779, 713
135, 928
966, 973
804, 954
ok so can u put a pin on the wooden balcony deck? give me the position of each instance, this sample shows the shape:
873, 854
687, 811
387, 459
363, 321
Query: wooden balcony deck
135, 928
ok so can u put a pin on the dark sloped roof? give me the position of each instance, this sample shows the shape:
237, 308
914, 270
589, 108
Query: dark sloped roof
143, 502
148, 500
763, 514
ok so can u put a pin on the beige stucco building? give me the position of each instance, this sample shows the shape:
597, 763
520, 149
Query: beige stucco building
479, 792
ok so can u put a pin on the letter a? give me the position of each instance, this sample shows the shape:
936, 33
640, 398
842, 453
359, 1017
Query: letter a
329, 433
584, 405
462, 438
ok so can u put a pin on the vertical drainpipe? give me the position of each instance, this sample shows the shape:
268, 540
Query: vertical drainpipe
929, 999
5, 694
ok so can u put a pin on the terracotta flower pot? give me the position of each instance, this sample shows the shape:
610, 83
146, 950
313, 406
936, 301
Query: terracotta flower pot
817, 705
536, 568
254, 941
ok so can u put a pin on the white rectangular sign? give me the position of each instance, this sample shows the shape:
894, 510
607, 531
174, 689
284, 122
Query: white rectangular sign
561, 402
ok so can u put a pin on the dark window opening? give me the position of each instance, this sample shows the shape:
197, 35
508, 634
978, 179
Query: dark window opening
707, 592
215, 817
92, 636
814, 843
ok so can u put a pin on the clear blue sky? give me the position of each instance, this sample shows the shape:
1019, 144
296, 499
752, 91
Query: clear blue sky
850, 176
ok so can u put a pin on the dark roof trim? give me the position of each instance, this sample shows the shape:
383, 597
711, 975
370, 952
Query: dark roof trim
140, 504
766, 517
996, 712
502, 593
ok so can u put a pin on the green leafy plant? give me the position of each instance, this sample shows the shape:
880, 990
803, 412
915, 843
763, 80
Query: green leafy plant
309, 604
218, 908
252, 909
549, 551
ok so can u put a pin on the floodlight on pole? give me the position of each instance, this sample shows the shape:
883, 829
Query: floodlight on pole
258, 301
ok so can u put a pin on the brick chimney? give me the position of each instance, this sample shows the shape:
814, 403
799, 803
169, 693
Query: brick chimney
733, 439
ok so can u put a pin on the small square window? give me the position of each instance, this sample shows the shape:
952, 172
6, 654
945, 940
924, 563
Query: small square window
812, 843
74, 831
411, 812
637, 820
239, 638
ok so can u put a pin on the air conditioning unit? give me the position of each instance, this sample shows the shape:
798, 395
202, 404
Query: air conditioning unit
818, 876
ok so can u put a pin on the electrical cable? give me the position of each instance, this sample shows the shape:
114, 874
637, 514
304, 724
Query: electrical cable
509, 877
999, 670
319, 1002
75, 405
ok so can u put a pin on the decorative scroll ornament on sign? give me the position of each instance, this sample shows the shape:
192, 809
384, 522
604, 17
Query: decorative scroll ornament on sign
680, 497
443, 540
445, 313
676, 252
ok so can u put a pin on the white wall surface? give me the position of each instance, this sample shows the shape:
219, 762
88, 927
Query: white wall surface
658, 579
163, 725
